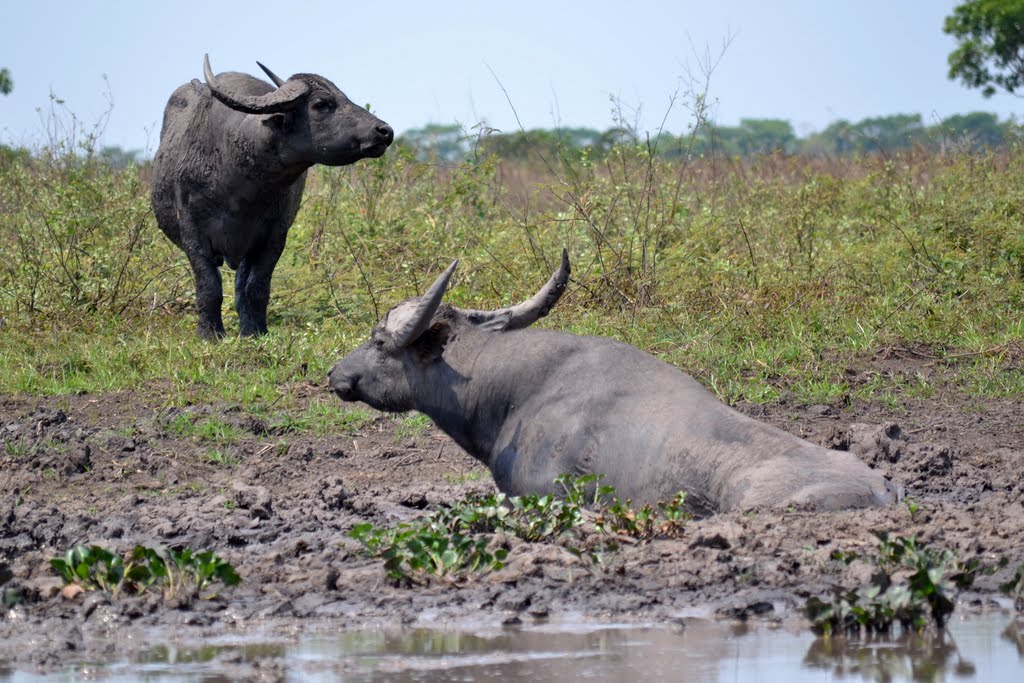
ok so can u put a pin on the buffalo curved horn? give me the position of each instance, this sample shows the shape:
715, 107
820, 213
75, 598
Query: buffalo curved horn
284, 98
273, 76
407, 325
525, 314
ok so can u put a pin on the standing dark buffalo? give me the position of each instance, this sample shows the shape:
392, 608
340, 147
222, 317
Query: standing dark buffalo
229, 173
534, 404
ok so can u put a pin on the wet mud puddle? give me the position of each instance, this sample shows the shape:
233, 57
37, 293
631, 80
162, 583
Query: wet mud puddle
983, 648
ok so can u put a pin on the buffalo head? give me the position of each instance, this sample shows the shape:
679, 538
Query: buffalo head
394, 366
316, 122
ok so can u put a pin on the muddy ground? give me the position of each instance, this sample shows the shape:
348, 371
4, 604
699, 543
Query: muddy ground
106, 469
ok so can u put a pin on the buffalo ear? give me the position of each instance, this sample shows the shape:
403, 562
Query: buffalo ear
429, 346
281, 122
491, 322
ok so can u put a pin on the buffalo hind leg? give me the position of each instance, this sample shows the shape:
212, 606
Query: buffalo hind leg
209, 296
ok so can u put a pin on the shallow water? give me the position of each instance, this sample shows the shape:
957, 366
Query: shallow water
987, 648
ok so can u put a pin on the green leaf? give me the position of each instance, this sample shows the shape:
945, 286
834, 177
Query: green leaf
228, 575
62, 568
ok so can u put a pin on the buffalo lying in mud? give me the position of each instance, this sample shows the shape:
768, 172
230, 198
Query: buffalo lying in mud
533, 404
229, 172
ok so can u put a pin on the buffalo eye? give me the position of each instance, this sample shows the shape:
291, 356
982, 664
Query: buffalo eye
324, 105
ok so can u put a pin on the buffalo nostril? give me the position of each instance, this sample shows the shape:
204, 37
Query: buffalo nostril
343, 385
386, 132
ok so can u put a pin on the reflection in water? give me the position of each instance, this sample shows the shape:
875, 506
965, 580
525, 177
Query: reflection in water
1014, 633
911, 657
170, 654
980, 649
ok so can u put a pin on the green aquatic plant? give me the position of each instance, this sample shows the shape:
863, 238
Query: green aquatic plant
914, 585
175, 573
665, 520
461, 539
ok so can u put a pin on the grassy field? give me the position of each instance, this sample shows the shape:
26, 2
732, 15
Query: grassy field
769, 278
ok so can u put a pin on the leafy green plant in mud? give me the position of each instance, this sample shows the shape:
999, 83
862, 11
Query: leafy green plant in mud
665, 520
913, 586
175, 573
458, 540
913, 506
428, 547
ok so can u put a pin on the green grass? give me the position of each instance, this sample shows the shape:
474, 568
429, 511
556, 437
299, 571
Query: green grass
763, 279
410, 426
211, 428
475, 475
323, 416
221, 457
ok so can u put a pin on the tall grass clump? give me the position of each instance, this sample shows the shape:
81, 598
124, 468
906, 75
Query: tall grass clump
762, 276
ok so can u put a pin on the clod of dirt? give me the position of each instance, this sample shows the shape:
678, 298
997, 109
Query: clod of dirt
78, 461
874, 444
717, 541
123, 444
331, 579
933, 460
71, 591
331, 494
744, 612
255, 499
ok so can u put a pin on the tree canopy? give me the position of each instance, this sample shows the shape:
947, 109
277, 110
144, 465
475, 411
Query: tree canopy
6, 84
990, 44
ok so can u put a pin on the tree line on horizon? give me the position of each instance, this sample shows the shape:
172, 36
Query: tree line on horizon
452, 143
974, 131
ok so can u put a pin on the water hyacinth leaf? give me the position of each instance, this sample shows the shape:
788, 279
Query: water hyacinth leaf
896, 596
455, 541
449, 558
64, 569
227, 574
97, 568
140, 575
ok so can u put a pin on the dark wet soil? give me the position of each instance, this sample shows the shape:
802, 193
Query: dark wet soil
109, 469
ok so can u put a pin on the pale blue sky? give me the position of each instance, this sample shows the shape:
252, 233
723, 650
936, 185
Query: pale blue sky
808, 61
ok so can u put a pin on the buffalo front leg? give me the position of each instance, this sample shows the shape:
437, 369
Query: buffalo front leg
252, 289
209, 296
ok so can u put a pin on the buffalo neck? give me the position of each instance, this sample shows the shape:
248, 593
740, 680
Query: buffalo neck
479, 381
259, 158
